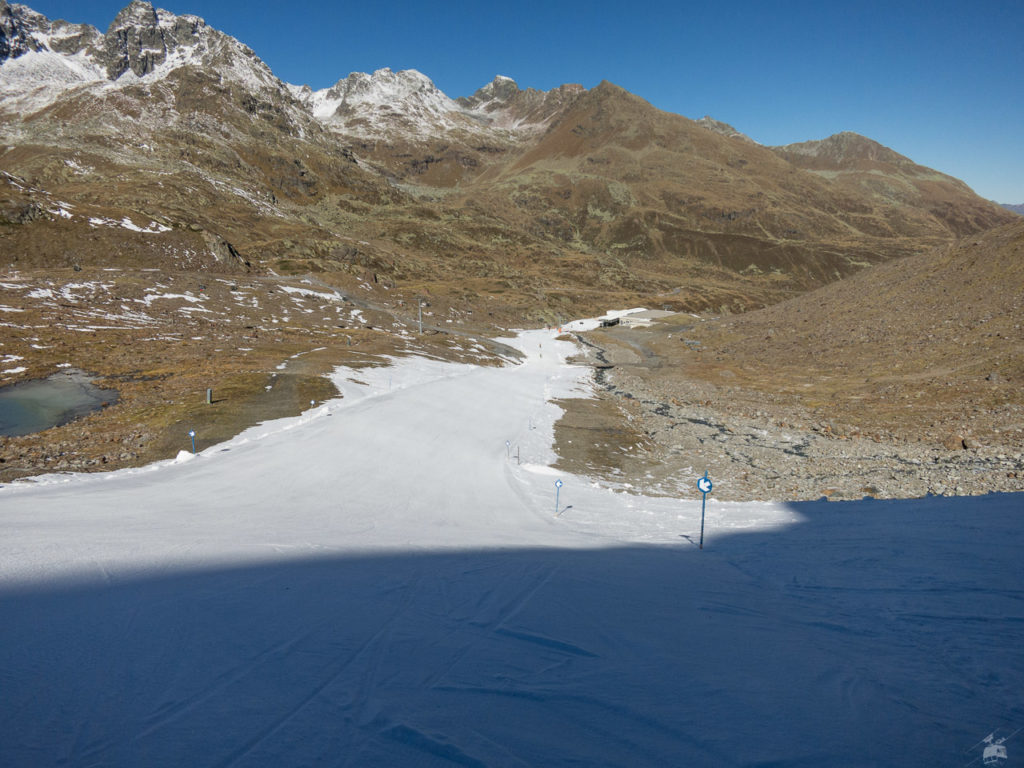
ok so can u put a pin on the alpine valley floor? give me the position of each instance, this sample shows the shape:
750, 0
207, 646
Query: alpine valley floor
388, 579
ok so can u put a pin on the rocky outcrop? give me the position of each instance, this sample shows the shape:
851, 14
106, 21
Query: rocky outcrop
17, 25
23, 30
224, 252
140, 38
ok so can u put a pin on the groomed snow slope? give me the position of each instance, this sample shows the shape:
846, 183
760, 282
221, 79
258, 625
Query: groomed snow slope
377, 584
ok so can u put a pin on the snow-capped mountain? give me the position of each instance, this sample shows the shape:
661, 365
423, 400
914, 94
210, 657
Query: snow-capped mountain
41, 61
387, 103
382, 103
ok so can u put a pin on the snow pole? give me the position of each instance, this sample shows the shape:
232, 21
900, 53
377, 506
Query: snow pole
558, 488
704, 486
192, 434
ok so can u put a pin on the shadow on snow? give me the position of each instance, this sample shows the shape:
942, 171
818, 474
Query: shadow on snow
873, 633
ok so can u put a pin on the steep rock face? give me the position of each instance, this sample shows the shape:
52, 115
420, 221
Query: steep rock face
140, 38
16, 27
141, 41
97, 83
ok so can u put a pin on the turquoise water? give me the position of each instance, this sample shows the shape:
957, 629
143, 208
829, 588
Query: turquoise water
33, 406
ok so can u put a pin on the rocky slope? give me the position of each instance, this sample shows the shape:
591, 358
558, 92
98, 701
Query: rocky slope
905, 379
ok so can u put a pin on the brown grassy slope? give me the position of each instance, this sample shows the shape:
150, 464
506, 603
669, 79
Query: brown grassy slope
928, 346
864, 167
614, 175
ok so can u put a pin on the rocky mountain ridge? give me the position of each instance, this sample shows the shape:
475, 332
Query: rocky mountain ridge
595, 188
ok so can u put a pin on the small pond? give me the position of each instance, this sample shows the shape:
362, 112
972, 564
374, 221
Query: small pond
32, 406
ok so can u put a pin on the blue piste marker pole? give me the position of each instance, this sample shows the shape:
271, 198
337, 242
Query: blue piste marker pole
192, 434
704, 486
558, 488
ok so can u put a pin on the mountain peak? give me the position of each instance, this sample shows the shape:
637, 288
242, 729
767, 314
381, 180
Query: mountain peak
724, 129
136, 13
380, 103
503, 104
140, 38
360, 86
846, 146
499, 91
17, 27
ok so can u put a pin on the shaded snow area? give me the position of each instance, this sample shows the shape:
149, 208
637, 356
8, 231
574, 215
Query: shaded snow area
382, 582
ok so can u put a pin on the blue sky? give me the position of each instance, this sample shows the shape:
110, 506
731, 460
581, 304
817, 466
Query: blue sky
938, 81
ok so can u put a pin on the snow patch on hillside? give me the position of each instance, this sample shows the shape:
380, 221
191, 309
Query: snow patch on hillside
37, 79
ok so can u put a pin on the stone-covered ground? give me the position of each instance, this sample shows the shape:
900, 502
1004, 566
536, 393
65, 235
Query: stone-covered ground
659, 423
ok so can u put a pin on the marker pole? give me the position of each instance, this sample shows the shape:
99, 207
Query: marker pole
704, 486
703, 503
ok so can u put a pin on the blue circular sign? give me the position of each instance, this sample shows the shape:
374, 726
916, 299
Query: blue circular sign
558, 483
704, 485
